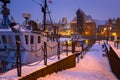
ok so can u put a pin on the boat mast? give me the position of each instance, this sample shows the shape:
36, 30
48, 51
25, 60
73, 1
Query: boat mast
44, 11
44, 14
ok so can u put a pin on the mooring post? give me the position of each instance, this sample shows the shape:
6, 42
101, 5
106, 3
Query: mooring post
18, 60
66, 48
45, 53
58, 50
73, 46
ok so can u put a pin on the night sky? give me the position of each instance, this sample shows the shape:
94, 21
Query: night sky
98, 9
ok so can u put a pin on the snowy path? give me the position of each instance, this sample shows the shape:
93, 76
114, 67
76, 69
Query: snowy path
92, 67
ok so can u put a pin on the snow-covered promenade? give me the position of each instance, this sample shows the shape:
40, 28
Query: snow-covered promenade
92, 67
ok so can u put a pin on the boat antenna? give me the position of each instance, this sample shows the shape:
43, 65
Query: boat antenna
44, 7
44, 10
5, 2
5, 12
37, 3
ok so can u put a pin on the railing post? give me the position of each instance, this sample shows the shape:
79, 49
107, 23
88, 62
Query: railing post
73, 46
58, 50
18, 60
45, 53
66, 48
117, 42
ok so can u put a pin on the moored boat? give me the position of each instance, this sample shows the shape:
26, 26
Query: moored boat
31, 40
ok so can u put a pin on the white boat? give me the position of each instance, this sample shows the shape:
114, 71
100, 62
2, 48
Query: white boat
31, 44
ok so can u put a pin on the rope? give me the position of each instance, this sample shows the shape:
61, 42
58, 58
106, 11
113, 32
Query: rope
38, 55
1, 55
52, 46
7, 52
35, 63
63, 53
32, 50
52, 58
6, 78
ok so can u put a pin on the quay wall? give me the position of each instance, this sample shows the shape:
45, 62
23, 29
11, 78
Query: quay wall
60, 65
114, 61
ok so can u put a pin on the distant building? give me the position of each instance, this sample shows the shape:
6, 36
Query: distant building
89, 26
110, 29
114, 27
64, 20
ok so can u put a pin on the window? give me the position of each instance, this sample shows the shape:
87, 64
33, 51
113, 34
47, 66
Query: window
17, 37
0, 41
39, 39
32, 39
4, 39
10, 39
26, 39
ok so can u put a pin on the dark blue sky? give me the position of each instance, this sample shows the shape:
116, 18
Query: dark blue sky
98, 9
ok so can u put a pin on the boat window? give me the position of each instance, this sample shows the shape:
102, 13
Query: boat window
32, 39
17, 37
39, 39
10, 39
26, 39
0, 41
4, 40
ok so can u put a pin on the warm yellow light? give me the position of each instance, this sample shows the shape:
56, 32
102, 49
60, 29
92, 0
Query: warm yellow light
114, 34
68, 31
86, 33
104, 29
68, 42
68, 34
86, 41
72, 32
46, 30
103, 32
110, 28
